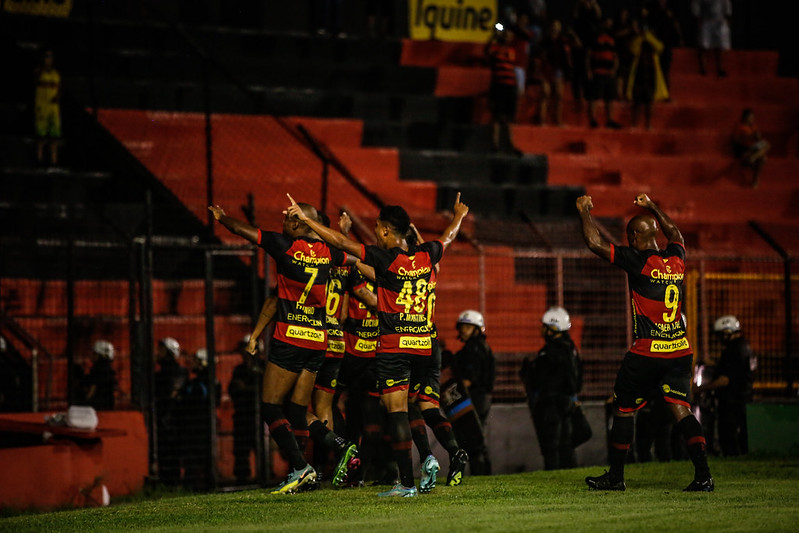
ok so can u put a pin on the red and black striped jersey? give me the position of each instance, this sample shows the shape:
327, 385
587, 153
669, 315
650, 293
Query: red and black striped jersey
361, 328
603, 55
502, 58
655, 278
403, 279
303, 266
336, 288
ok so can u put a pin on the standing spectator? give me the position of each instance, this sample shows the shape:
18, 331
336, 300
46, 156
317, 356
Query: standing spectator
733, 385
169, 380
749, 146
101, 381
646, 84
552, 380
47, 109
714, 30
552, 68
660, 356
522, 41
602, 65
623, 35
244, 386
586, 18
667, 29
503, 95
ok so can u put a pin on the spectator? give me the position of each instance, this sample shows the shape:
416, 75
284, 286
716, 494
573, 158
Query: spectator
47, 109
244, 388
169, 380
552, 380
552, 68
602, 65
645, 85
623, 35
733, 385
585, 22
714, 30
667, 29
101, 381
503, 94
749, 146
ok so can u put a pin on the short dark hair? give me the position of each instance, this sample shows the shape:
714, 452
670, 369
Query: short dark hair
396, 217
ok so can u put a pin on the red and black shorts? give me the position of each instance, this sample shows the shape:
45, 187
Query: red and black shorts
327, 377
640, 375
295, 359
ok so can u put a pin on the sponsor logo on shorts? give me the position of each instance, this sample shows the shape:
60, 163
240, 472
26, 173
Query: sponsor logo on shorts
639, 401
415, 343
365, 346
308, 334
333, 383
428, 390
669, 346
669, 390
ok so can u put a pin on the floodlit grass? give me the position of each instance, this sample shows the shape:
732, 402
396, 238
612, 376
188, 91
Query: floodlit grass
751, 495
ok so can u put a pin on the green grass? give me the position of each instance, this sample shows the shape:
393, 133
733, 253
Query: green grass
751, 495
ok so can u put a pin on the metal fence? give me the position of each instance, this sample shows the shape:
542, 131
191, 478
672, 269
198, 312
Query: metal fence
133, 295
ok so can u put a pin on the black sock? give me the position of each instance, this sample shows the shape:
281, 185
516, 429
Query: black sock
621, 436
296, 415
280, 429
419, 432
401, 444
442, 429
323, 436
691, 430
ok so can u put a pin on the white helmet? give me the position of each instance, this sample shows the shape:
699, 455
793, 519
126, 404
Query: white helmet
104, 349
470, 316
172, 346
3, 345
726, 324
202, 357
557, 318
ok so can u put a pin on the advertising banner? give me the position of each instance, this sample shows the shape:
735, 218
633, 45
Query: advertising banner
452, 20
46, 8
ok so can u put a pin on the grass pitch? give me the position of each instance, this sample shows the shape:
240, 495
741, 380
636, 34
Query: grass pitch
751, 495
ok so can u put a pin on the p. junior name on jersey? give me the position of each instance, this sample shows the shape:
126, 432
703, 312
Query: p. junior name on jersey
417, 343
669, 346
297, 332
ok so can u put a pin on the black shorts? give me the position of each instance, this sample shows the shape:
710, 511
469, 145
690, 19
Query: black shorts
295, 359
503, 100
428, 384
359, 374
327, 377
602, 87
639, 375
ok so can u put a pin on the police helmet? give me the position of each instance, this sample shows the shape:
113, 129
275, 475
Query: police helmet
726, 324
172, 346
557, 318
104, 349
470, 316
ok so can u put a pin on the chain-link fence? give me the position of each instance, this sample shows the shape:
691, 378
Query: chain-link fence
135, 295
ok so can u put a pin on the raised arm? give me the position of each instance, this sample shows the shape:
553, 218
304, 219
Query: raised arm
235, 226
593, 239
366, 297
459, 210
331, 237
669, 228
267, 313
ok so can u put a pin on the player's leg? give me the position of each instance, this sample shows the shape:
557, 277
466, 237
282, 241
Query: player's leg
394, 376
